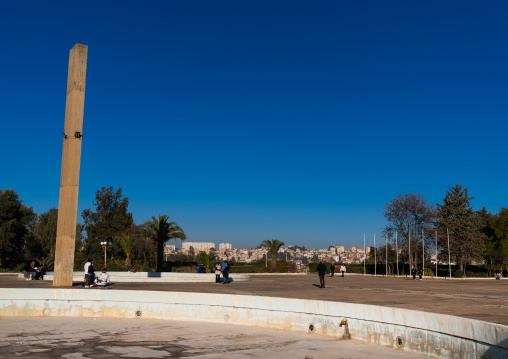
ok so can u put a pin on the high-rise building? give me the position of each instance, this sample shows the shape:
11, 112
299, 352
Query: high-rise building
332, 249
224, 246
198, 246
340, 249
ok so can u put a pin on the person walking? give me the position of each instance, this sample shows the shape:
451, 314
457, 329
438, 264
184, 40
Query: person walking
321, 269
413, 273
332, 270
217, 272
420, 272
343, 270
89, 273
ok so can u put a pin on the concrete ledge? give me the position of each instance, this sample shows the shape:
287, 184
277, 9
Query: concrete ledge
153, 277
434, 335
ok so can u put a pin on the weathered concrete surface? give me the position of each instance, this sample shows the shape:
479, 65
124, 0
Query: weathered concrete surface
485, 300
426, 333
106, 338
71, 158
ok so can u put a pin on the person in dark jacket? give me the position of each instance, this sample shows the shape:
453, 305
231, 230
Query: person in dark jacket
420, 272
321, 269
413, 272
332, 270
225, 272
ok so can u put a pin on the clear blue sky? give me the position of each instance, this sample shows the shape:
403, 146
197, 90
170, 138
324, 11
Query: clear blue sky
251, 120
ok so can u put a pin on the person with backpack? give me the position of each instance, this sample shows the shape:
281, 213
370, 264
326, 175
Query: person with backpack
89, 273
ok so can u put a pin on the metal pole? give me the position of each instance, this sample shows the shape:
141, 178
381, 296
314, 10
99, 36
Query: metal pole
449, 260
364, 253
436, 254
266, 258
105, 248
397, 250
423, 254
410, 262
375, 257
386, 258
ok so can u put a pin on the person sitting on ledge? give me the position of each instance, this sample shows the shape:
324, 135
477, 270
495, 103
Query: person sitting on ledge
103, 278
133, 269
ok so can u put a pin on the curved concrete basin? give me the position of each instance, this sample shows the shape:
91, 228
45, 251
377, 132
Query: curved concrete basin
435, 335
154, 277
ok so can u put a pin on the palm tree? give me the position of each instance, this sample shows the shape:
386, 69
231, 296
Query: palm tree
160, 231
126, 244
207, 258
273, 247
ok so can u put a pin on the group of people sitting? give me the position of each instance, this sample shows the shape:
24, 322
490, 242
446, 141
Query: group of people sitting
33, 271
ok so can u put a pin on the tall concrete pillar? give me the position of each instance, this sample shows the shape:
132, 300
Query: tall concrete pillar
71, 158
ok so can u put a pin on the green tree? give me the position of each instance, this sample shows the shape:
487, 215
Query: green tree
109, 219
408, 214
456, 215
273, 247
16, 228
499, 227
127, 244
160, 231
192, 253
45, 233
207, 258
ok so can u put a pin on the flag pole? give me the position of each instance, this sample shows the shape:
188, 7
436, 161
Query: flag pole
375, 257
449, 260
364, 253
436, 253
397, 250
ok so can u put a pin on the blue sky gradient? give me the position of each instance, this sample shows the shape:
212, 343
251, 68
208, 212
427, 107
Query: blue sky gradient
246, 121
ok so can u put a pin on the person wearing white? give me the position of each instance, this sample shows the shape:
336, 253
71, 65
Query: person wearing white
103, 278
89, 273
343, 270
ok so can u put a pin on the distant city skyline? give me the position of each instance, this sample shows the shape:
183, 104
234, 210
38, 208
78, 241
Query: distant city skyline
250, 121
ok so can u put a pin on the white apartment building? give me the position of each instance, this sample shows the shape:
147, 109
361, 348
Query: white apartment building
340, 249
198, 246
170, 247
224, 246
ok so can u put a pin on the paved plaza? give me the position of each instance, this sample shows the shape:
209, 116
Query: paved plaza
481, 299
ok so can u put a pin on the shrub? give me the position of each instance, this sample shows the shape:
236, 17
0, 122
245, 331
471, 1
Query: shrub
457, 273
429, 272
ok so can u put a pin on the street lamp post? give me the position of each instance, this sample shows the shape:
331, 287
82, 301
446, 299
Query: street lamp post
105, 246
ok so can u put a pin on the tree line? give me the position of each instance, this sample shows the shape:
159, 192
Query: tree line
462, 235
25, 235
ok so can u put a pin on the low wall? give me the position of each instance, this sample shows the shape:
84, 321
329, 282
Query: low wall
435, 335
153, 277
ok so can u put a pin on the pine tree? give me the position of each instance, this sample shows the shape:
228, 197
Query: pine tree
456, 215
